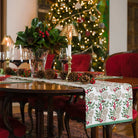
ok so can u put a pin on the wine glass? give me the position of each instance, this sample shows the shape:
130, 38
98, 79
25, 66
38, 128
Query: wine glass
63, 57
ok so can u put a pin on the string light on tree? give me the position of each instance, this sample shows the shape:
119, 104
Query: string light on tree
86, 18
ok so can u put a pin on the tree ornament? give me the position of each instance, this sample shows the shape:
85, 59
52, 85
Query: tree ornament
80, 20
59, 27
93, 18
87, 33
62, 4
54, 20
94, 56
79, 36
78, 6
101, 25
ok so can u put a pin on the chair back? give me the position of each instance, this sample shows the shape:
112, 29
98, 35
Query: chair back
80, 62
122, 64
49, 61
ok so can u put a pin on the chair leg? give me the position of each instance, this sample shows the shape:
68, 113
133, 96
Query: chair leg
22, 105
31, 118
60, 122
66, 120
86, 131
134, 129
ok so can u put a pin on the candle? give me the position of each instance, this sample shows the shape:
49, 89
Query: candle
21, 53
69, 50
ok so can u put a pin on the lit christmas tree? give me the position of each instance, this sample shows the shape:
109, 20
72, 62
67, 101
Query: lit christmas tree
86, 18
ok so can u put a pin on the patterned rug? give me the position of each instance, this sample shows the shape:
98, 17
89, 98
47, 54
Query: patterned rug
77, 129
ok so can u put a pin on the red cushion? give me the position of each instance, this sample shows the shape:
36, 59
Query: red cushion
113, 67
129, 66
125, 64
18, 128
4, 133
49, 61
80, 62
135, 114
76, 110
59, 102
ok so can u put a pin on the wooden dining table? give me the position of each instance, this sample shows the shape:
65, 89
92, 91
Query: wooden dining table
41, 89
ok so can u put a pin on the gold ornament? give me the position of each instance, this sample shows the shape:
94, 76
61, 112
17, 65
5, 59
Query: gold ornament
94, 56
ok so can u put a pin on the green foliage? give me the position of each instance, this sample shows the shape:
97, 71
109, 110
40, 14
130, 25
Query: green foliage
40, 36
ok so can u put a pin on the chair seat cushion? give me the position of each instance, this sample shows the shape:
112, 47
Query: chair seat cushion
4, 133
58, 102
19, 129
135, 114
76, 110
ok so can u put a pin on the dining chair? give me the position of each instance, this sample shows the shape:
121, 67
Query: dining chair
17, 130
21, 101
59, 102
4, 133
75, 110
80, 62
124, 64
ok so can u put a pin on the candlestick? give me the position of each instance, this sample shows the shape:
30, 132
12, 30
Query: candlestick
69, 50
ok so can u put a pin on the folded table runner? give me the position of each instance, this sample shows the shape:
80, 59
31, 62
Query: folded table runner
106, 102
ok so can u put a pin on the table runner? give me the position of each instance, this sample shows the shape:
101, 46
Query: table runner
106, 102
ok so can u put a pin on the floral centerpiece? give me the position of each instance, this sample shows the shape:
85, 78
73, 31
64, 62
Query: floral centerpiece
40, 36
38, 39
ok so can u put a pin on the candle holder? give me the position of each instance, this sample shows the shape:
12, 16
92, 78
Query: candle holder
7, 42
69, 66
69, 31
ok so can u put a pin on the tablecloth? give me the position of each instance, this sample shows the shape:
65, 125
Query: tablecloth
106, 102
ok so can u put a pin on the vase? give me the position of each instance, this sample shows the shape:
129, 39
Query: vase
37, 61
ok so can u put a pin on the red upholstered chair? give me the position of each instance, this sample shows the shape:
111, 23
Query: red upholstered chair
76, 111
80, 62
4, 133
124, 64
49, 61
17, 130
59, 101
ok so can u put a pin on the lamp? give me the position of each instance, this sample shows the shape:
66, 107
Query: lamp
7, 41
69, 31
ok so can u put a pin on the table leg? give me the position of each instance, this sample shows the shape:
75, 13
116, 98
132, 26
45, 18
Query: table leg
39, 120
94, 132
50, 117
108, 129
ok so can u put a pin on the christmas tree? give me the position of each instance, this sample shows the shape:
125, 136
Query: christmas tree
86, 18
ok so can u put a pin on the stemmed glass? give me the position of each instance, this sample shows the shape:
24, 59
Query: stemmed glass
63, 57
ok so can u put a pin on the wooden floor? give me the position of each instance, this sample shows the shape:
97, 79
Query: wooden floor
124, 129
